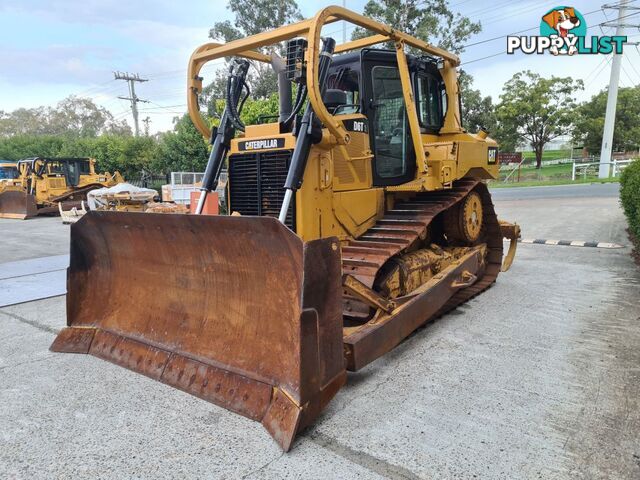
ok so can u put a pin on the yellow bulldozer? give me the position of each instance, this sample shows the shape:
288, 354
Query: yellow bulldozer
355, 218
40, 184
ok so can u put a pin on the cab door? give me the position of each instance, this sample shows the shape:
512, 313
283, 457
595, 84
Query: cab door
383, 103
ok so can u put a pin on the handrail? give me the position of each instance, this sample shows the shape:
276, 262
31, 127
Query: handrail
311, 30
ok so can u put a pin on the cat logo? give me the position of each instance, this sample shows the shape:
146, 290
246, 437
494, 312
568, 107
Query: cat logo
492, 155
263, 144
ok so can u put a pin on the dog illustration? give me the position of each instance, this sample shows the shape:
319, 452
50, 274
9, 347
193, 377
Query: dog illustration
562, 21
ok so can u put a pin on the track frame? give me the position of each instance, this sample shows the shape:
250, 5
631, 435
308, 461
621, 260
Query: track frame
394, 234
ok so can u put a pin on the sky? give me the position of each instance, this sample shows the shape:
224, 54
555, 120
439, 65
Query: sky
50, 49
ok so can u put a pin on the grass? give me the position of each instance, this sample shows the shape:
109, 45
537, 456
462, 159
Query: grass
532, 174
559, 174
548, 154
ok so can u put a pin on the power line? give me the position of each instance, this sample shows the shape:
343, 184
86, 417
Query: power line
600, 68
632, 66
504, 36
482, 58
515, 33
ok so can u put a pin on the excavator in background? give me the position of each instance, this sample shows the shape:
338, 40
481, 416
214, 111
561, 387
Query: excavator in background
42, 183
358, 216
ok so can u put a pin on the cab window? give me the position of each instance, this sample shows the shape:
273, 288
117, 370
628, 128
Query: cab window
55, 168
429, 102
347, 81
390, 122
8, 173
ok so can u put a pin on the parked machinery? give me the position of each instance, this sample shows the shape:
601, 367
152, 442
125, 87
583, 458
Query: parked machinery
42, 183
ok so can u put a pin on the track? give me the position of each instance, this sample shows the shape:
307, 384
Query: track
407, 224
79, 191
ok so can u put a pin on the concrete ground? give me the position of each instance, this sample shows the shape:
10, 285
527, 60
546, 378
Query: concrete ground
539, 377
33, 238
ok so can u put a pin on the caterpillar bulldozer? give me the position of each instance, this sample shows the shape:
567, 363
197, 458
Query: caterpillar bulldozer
355, 218
40, 184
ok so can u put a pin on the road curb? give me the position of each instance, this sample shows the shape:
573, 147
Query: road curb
572, 243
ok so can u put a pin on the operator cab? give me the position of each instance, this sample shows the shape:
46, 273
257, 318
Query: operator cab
368, 82
69, 168
8, 170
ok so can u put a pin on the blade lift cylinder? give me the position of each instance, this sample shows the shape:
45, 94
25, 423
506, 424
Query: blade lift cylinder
305, 137
221, 138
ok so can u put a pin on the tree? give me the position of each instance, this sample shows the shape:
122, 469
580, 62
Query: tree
477, 111
23, 121
255, 110
251, 17
82, 117
590, 121
536, 109
127, 154
184, 149
429, 20
17, 147
124, 153
73, 116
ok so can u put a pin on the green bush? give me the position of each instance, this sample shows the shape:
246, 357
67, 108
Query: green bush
124, 153
630, 197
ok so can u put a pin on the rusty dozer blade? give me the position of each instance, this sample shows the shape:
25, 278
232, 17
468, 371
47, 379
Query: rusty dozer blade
17, 204
238, 311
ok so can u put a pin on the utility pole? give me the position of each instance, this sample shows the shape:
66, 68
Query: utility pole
606, 151
131, 79
147, 123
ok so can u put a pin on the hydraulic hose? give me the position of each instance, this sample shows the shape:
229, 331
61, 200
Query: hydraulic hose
301, 96
221, 137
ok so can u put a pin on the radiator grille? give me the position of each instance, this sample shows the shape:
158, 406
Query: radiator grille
256, 184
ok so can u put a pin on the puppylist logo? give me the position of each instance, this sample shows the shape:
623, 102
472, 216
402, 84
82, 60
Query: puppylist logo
563, 31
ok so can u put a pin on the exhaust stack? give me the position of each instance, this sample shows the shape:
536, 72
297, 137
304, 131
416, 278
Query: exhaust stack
284, 87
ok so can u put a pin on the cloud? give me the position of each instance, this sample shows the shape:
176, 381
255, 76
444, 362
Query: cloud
53, 64
163, 35
111, 11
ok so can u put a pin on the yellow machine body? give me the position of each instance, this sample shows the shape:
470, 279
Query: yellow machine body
383, 221
338, 196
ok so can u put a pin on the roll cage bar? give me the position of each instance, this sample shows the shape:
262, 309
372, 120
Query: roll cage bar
30, 163
310, 30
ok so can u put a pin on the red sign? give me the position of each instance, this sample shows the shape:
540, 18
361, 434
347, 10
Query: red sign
509, 157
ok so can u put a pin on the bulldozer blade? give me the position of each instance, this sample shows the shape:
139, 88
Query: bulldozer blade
17, 204
238, 311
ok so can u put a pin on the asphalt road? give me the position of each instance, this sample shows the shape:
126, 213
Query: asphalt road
589, 190
536, 378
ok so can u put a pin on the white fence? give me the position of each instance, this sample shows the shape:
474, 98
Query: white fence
183, 183
585, 169
545, 163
